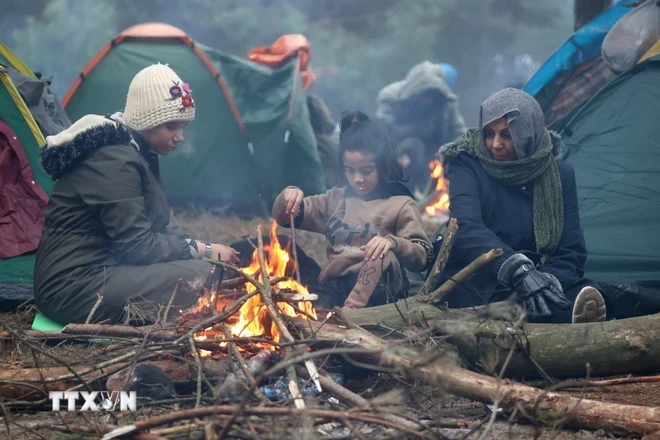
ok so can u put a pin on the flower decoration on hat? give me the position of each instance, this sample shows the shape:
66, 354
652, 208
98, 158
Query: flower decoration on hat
176, 91
187, 101
183, 91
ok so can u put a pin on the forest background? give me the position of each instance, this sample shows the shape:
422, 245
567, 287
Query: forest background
358, 46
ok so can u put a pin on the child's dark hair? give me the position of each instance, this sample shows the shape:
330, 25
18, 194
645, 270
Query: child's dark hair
359, 133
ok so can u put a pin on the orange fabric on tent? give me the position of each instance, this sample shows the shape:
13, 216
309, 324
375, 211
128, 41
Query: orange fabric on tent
282, 50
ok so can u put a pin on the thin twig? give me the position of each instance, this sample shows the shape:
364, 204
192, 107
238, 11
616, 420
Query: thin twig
200, 369
129, 371
497, 399
171, 301
96, 306
605, 383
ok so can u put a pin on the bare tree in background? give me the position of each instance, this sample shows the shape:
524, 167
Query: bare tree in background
587, 10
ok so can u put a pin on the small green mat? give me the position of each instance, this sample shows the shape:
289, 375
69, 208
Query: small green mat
44, 324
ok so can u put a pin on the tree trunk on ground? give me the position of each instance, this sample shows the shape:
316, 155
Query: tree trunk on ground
627, 346
586, 10
552, 408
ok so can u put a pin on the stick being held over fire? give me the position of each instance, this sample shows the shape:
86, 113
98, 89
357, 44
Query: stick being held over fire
277, 319
293, 248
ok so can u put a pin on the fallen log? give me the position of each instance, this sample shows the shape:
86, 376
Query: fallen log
561, 350
550, 407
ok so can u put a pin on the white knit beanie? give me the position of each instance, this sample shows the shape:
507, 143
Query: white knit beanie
156, 96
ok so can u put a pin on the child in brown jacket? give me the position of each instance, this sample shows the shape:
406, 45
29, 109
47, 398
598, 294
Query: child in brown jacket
372, 224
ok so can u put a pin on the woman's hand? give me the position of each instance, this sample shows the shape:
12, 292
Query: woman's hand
220, 252
376, 246
293, 197
226, 253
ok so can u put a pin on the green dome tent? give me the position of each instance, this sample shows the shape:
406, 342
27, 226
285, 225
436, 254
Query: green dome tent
251, 136
612, 143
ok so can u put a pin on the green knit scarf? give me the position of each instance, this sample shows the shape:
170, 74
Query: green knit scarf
541, 168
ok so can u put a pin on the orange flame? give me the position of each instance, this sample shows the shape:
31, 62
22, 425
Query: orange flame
440, 201
252, 318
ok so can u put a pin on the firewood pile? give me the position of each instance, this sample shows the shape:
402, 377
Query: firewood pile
205, 377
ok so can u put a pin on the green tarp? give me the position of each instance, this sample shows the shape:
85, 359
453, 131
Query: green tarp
218, 163
612, 143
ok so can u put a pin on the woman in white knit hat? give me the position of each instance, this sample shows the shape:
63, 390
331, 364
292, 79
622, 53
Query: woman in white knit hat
105, 231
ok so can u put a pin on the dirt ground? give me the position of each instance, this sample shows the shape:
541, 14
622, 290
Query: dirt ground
458, 418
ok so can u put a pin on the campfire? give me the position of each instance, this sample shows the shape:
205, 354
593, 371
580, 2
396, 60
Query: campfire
253, 320
438, 204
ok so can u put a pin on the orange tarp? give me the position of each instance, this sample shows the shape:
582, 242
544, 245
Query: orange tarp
282, 50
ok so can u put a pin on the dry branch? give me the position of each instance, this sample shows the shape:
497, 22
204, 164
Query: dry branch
277, 319
121, 331
465, 274
441, 260
606, 382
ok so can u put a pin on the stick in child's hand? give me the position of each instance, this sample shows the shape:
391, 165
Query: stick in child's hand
293, 247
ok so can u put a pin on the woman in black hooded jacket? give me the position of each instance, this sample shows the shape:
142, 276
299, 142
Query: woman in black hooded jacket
508, 190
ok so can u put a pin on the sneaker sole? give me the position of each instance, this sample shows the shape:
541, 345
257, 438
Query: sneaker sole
589, 306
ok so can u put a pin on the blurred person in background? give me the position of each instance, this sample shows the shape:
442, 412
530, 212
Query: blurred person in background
422, 114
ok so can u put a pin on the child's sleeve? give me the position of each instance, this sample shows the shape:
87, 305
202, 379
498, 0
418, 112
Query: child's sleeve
411, 245
314, 211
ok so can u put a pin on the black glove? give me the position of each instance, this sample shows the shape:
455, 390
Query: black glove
534, 289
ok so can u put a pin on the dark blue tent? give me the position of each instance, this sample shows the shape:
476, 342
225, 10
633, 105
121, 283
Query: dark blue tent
576, 70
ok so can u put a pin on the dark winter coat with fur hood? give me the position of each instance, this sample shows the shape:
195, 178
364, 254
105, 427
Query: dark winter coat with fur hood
491, 215
106, 224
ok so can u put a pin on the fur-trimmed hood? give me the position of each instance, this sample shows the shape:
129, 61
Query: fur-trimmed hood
71, 146
453, 149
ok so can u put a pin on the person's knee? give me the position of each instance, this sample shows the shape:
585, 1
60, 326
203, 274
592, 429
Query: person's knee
388, 260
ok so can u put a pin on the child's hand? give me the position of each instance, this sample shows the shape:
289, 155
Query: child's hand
376, 246
293, 197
